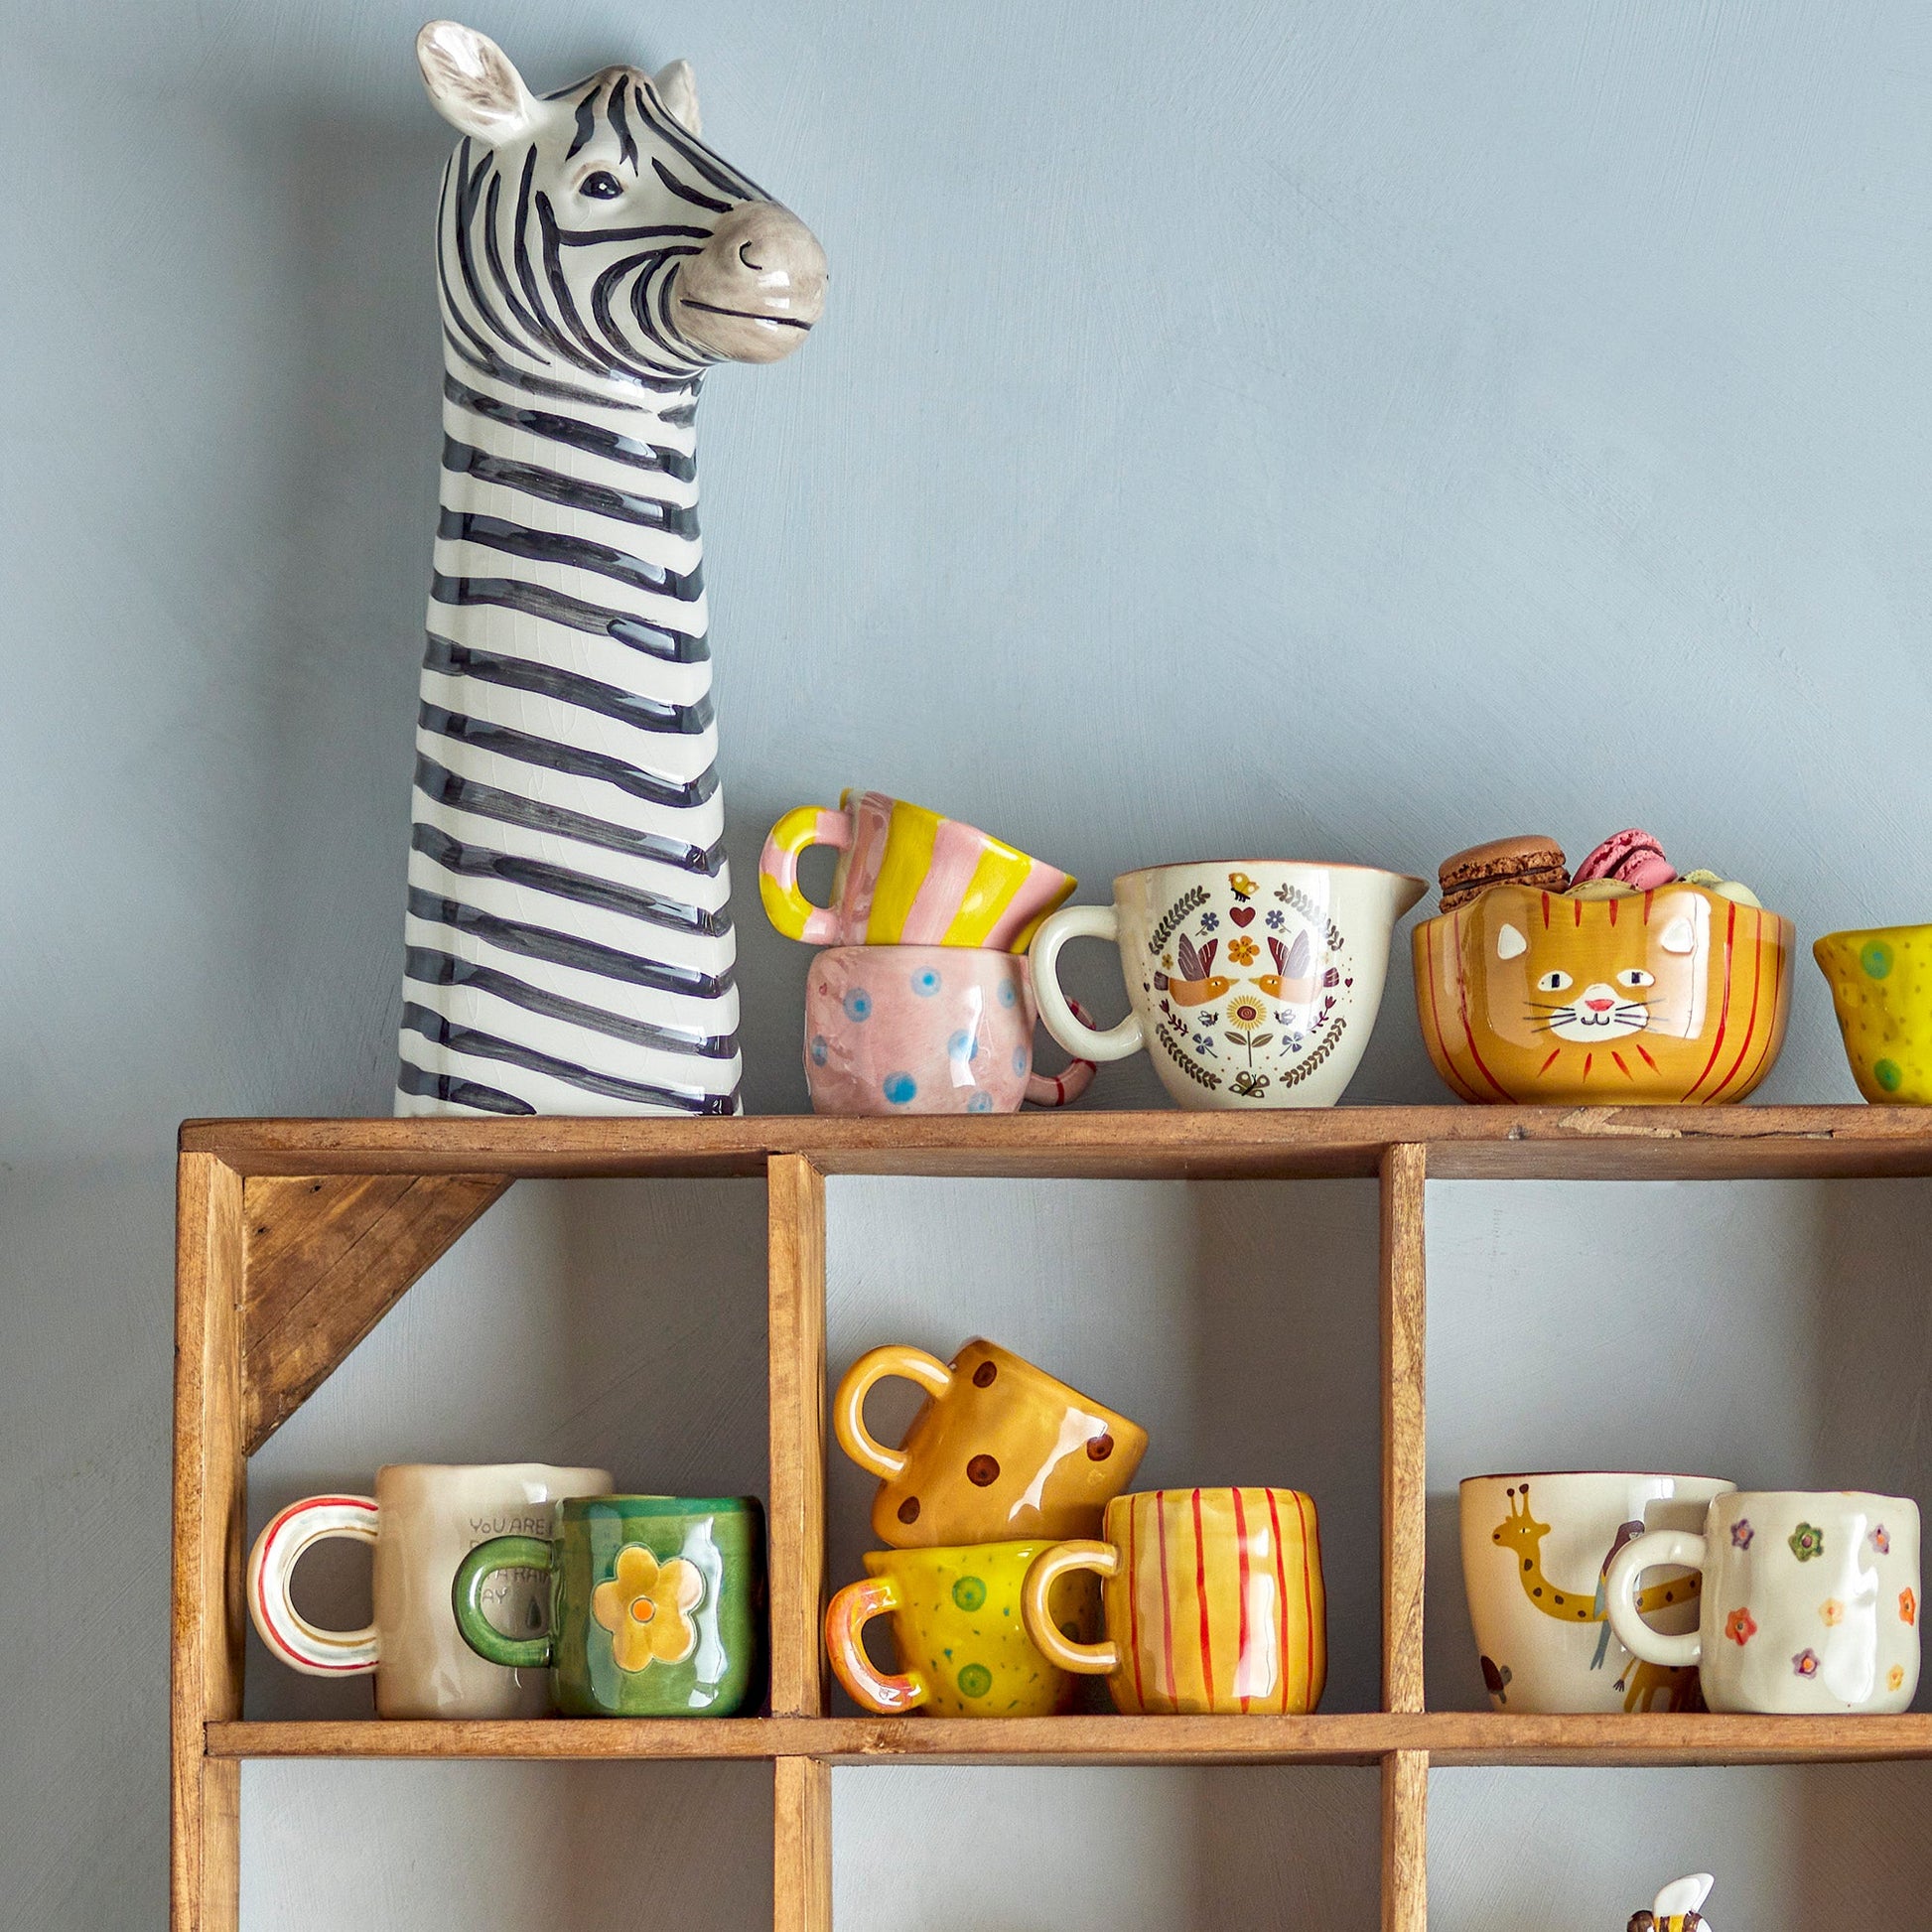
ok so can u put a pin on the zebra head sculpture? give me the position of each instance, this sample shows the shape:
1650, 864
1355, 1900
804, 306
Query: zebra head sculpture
569, 943
595, 229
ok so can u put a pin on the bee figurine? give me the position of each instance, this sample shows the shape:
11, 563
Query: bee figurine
1676, 1907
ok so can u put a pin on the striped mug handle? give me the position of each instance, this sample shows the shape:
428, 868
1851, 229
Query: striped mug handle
1086, 1659
785, 905
271, 1564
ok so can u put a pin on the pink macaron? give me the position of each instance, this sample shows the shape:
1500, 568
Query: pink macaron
1632, 858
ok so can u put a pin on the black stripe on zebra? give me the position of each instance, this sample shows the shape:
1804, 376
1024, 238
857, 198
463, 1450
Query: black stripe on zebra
578, 553
459, 1092
653, 909
561, 949
572, 433
527, 749
430, 968
485, 361
468, 197
686, 192
646, 511
534, 600
486, 1046
569, 687
441, 786
626, 140
493, 254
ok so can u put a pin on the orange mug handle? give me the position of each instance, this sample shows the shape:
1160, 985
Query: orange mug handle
785, 905
844, 1619
1053, 1643
849, 1405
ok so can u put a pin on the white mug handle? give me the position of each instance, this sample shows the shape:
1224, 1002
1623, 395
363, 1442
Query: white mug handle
1056, 1015
279, 1547
1621, 1597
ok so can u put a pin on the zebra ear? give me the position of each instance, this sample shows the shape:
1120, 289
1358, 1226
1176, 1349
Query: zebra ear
678, 88
472, 84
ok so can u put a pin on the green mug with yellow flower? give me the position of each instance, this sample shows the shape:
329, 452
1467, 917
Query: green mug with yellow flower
656, 1606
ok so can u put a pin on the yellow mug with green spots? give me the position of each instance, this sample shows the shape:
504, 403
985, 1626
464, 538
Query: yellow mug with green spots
1881, 986
906, 877
962, 1643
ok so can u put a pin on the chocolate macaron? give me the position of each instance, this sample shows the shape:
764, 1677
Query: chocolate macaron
1529, 859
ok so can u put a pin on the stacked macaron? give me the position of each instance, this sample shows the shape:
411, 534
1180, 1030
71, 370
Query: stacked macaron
1630, 860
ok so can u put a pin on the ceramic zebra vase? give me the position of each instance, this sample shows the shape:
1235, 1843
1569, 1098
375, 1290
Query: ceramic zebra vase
569, 935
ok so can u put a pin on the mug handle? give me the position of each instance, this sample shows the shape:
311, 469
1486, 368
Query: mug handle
849, 1405
271, 1564
785, 905
1053, 1643
466, 1599
1061, 1089
873, 1689
1055, 1012
1621, 1597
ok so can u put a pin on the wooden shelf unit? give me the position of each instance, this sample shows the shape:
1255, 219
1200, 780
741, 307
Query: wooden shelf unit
295, 1236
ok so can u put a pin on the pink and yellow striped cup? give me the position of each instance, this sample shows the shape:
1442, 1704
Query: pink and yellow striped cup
907, 876
1213, 1600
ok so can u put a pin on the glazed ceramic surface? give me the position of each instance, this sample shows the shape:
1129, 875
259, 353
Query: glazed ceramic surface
1669, 996
1536, 1549
1811, 1602
569, 938
657, 1605
906, 877
999, 1449
1212, 1602
1881, 987
1254, 983
422, 1521
1677, 1907
926, 1030
963, 1648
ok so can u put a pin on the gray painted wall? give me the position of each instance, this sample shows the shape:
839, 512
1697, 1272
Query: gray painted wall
1343, 430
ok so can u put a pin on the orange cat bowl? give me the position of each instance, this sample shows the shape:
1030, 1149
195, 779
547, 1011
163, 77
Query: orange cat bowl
1664, 997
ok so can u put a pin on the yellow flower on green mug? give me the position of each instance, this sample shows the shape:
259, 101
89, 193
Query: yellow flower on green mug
646, 1608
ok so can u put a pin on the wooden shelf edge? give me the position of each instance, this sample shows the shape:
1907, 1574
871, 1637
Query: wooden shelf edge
1464, 1143
1447, 1737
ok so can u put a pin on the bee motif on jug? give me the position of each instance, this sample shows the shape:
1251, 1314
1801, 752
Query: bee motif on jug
1246, 994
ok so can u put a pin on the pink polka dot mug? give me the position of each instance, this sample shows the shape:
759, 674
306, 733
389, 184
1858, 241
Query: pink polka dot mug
926, 1030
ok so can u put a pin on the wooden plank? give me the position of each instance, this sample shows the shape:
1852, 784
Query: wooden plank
795, 1194
1464, 1143
801, 1846
209, 1517
1405, 1471
1342, 1737
1404, 1842
325, 1258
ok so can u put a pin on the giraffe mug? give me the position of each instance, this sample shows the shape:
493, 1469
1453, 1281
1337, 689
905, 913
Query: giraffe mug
906, 877
1810, 1602
1213, 1601
1536, 1587
1253, 982
422, 1522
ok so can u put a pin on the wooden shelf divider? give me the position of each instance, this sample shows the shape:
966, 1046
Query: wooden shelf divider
293, 1236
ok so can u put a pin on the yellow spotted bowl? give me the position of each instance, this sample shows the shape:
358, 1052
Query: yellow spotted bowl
1881, 986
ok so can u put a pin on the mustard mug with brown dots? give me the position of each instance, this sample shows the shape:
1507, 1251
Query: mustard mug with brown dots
999, 1451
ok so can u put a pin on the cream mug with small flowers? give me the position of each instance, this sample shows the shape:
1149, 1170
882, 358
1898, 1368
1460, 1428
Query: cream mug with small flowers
1810, 1602
1254, 982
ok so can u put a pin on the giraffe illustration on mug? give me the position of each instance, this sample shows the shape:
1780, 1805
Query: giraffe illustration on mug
1519, 1532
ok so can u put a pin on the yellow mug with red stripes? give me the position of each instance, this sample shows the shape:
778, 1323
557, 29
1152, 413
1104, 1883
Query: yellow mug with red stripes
906, 877
1212, 1602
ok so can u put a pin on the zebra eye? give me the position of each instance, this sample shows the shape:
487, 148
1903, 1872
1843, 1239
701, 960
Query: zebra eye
602, 186
1636, 976
1554, 982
